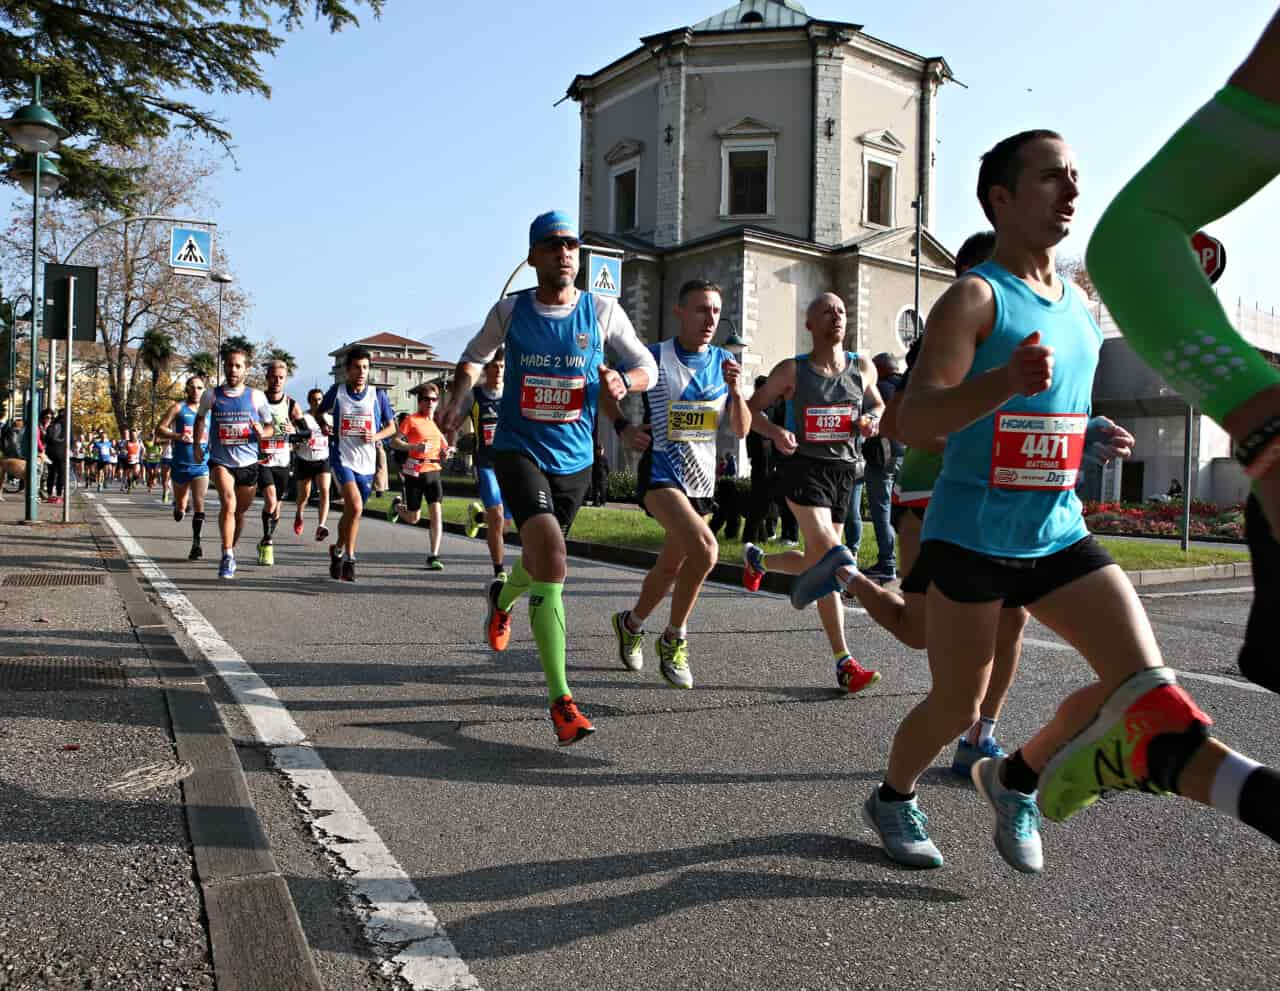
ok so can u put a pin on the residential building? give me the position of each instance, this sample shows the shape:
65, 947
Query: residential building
398, 365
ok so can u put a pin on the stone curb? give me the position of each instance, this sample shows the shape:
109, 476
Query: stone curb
254, 927
731, 574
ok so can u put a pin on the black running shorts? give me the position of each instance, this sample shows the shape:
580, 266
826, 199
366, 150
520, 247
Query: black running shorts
1258, 660
810, 482
963, 575
242, 477
311, 469
527, 491
277, 478
418, 487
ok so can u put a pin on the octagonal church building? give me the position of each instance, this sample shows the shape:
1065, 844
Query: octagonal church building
777, 154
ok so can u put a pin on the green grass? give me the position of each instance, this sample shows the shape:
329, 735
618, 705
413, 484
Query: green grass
631, 528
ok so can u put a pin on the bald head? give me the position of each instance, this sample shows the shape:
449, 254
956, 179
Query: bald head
821, 302
825, 321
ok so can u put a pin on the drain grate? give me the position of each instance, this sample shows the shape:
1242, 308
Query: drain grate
60, 674
44, 579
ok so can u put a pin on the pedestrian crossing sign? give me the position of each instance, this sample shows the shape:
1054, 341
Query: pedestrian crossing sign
604, 275
190, 251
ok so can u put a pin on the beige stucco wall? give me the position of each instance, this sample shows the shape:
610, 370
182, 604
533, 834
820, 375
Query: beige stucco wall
785, 285
877, 96
634, 116
889, 290
716, 100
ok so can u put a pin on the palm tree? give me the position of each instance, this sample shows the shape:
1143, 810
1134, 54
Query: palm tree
238, 342
156, 351
202, 363
280, 354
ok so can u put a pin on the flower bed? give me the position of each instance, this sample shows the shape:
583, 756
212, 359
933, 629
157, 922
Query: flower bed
1164, 519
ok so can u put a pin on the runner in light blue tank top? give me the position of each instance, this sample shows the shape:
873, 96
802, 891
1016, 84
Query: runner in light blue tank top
1007, 487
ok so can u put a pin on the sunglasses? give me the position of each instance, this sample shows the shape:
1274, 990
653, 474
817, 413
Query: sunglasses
428, 399
572, 243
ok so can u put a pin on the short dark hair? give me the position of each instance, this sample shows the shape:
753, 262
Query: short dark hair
358, 354
1002, 165
976, 249
314, 392
697, 285
499, 355
761, 380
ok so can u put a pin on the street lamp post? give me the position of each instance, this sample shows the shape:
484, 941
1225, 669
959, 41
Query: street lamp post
36, 131
736, 346
221, 278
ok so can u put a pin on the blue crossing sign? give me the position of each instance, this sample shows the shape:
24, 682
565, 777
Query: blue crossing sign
604, 275
191, 251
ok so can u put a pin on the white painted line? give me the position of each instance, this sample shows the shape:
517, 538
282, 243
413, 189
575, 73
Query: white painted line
396, 919
1218, 679
1048, 644
1234, 590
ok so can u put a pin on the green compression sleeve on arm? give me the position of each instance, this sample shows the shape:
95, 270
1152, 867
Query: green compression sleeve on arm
546, 616
1141, 261
516, 585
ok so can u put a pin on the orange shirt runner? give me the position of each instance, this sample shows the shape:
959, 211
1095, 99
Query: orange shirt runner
421, 429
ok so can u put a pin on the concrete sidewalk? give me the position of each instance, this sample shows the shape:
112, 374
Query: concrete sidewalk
126, 832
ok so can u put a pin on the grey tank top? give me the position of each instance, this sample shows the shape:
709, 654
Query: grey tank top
823, 413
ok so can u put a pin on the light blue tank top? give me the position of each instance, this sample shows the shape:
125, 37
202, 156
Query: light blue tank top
1007, 487
185, 422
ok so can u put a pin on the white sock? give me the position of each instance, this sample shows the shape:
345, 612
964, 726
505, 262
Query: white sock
986, 730
673, 633
1229, 782
633, 624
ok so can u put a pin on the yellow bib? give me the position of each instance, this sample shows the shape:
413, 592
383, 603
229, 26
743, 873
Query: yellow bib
692, 420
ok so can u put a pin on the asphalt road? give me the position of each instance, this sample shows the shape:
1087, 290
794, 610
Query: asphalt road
705, 839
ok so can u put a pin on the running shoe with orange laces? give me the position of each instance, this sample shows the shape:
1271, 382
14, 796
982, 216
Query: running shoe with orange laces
1113, 752
752, 567
570, 724
497, 623
852, 677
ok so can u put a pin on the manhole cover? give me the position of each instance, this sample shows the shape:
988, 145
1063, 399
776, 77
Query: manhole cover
46, 578
60, 674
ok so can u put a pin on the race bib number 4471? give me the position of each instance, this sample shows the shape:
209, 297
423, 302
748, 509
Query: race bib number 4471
553, 398
1037, 451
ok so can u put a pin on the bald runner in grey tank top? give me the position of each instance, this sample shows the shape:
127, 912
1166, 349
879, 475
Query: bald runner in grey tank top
823, 413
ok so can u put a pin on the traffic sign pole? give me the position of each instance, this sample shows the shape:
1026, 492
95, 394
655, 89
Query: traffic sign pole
66, 406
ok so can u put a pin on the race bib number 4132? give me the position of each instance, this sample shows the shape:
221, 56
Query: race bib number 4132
553, 398
828, 424
1037, 451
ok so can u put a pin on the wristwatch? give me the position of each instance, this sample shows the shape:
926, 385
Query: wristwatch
1260, 450
626, 380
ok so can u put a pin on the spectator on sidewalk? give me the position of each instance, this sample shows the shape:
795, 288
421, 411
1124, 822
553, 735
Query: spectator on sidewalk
790, 535
761, 514
55, 446
599, 494
884, 461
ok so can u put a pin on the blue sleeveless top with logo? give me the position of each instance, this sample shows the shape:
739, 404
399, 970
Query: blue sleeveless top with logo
1007, 487
549, 396
232, 441
185, 422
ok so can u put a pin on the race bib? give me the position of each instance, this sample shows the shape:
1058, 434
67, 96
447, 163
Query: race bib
237, 432
318, 444
357, 424
693, 420
1037, 451
274, 443
828, 424
553, 398
488, 430
188, 435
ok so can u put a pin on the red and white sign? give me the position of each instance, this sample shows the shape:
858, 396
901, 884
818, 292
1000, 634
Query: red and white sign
1211, 253
488, 430
553, 398
1037, 451
828, 424
235, 432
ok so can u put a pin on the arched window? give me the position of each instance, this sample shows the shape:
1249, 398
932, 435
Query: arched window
910, 327
751, 17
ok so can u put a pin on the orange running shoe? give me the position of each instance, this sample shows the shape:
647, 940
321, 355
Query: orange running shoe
497, 624
752, 567
852, 677
570, 724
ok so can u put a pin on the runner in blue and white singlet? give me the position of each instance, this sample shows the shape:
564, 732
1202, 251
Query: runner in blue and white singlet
492, 513
238, 419
555, 339
190, 473
683, 416
311, 462
362, 417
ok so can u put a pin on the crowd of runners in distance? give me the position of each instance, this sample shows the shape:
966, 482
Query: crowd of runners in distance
996, 412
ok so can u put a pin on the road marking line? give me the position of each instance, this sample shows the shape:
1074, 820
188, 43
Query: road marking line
1234, 590
1218, 679
1049, 644
395, 917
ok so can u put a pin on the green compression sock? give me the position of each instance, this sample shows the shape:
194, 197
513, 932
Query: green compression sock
546, 616
516, 585
1142, 263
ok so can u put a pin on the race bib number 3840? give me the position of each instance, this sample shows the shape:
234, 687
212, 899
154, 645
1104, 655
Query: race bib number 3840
1037, 451
553, 398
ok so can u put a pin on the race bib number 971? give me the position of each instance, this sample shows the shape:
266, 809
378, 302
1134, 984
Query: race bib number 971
692, 420
828, 424
553, 398
1037, 451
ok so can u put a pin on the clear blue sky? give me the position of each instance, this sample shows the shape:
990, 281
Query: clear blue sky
389, 181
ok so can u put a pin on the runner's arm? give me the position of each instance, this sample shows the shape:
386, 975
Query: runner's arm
870, 394
388, 417
781, 384
202, 417
266, 423
938, 401
164, 427
739, 411
478, 353
633, 357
